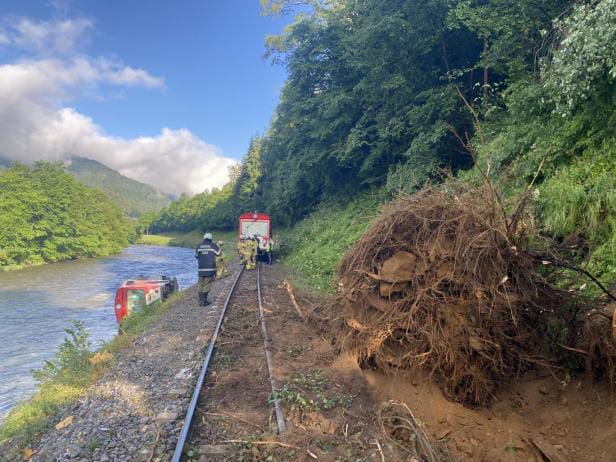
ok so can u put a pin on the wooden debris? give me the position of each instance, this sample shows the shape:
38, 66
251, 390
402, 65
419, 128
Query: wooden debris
287, 284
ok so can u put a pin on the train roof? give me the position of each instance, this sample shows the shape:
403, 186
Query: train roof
255, 216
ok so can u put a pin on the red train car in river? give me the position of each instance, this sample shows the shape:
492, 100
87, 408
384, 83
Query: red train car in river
259, 225
138, 294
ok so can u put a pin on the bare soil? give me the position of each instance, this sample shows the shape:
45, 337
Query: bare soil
537, 419
330, 415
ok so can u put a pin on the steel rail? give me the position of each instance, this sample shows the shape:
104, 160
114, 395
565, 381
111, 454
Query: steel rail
179, 448
268, 358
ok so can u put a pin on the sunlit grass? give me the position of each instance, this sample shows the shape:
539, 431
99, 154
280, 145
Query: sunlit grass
190, 239
154, 239
312, 248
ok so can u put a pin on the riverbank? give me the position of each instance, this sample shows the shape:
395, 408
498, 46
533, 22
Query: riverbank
37, 304
188, 240
75, 368
130, 402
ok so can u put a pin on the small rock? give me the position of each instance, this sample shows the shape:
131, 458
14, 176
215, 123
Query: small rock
443, 433
184, 374
212, 450
543, 389
166, 416
72, 452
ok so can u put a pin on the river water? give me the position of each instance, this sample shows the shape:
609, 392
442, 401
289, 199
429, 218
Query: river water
38, 303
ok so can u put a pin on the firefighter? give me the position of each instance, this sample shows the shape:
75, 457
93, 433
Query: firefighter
206, 254
252, 245
245, 247
221, 269
241, 249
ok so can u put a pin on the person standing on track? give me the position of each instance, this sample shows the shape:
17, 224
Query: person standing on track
206, 254
252, 246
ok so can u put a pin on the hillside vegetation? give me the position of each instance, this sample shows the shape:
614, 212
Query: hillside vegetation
133, 197
46, 215
384, 95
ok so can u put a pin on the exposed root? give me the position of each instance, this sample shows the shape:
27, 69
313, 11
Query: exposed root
440, 283
401, 428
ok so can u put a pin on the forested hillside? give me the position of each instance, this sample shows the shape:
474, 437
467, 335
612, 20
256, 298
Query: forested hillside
46, 215
133, 197
388, 94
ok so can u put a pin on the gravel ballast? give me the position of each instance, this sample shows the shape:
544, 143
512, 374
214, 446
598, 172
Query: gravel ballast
135, 411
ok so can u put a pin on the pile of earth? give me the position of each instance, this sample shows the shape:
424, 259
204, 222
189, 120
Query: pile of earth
445, 282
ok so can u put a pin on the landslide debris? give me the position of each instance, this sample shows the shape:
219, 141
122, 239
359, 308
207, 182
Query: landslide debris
439, 282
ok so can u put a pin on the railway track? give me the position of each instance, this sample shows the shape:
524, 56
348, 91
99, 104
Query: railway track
240, 336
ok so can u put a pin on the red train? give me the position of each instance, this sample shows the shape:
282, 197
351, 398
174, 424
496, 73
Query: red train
137, 294
259, 225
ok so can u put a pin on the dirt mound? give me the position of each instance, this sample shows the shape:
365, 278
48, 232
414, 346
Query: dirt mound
438, 282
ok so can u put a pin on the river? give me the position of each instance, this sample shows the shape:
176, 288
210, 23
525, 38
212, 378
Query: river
38, 303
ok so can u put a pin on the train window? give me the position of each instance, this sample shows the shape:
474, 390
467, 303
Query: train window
252, 228
135, 300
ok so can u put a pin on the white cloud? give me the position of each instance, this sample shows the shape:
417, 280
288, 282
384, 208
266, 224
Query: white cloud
37, 122
46, 37
128, 76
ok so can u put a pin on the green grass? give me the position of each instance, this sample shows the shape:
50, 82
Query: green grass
190, 239
154, 239
66, 378
312, 248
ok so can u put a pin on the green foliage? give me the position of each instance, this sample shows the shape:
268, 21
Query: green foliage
65, 378
313, 247
310, 392
373, 101
580, 199
71, 360
46, 215
585, 62
207, 210
133, 197
565, 122
61, 381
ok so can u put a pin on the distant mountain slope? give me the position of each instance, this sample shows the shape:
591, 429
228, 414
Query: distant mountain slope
132, 196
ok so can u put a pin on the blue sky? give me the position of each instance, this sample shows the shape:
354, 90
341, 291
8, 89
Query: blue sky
207, 56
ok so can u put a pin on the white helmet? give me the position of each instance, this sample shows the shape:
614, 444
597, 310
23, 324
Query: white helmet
207, 236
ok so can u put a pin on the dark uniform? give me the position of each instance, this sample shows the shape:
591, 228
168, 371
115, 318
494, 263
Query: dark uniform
206, 254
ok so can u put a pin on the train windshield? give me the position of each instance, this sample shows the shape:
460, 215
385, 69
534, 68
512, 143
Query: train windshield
135, 300
254, 228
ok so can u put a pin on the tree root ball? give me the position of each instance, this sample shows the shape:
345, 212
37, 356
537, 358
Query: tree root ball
440, 283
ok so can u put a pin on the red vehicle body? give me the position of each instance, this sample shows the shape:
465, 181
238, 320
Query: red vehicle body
258, 225
138, 294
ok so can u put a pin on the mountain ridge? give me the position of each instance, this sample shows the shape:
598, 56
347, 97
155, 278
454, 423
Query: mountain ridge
133, 197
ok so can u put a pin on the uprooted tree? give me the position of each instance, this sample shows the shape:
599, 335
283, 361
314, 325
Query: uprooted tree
443, 282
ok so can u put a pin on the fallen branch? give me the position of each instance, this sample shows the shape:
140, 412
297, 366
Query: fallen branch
550, 259
287, 284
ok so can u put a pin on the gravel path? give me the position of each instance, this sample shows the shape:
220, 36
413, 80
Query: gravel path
135, 412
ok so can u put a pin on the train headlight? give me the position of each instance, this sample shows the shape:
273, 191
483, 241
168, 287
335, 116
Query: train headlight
118, 306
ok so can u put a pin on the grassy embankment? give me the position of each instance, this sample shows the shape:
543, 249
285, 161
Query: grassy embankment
312, 248
66, 378
190, 239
